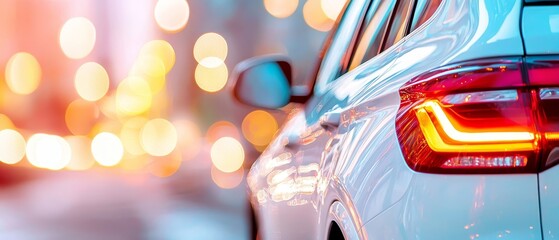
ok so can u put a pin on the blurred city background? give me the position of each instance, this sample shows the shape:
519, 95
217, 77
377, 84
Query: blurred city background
116, 120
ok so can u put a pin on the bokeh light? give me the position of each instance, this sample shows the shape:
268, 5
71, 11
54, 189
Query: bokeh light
133, 96
211, 79
107, 105
332, 8
82, 158
281, 8
259, 127
159, 137
134, 163
162, 50
209, 48
107, 149
171, 15
260, 148
227, 154
48, 151
23, 73
106, 125
165, 166
130, 135
77, 37
222, 129
12, 146
81, 116
91, 81
151, 69
227, 180
5, 122
315, 17
189, 137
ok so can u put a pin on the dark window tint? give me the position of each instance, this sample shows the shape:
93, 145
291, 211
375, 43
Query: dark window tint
399, 23
424, 11
370, 38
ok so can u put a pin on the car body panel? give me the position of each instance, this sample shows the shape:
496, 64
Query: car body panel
462, 207
358, 165
549, 194
540, 29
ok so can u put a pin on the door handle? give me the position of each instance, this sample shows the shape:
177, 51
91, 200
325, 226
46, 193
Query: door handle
330, 119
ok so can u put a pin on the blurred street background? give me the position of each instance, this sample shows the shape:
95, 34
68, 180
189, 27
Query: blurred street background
117, 120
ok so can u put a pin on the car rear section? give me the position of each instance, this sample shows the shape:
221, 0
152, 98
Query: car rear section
479, 130
540, 29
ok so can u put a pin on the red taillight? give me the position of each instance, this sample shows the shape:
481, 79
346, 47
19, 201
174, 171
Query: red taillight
489, 116
543, 73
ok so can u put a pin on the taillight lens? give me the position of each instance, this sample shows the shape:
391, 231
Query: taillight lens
543, 73
475, 117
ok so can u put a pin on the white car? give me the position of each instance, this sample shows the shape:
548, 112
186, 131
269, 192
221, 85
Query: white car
425, 120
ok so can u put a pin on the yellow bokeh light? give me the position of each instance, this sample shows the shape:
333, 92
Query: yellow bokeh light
130, 135
23, 73
12, 146
227, 154
259, 127
315, 17
107, 105
91, 81
107, 149
211, 62
159, 137
77, 37
332, 8
81, 116
151, 69
227, 180
106, 125
222, 129
162, 50
281, 8
5, 122
171, 15
211, 79
134, 163
48, 151
133, 96
82, 158
260, 148
210, 45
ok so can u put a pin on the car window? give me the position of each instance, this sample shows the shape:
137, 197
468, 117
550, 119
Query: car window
370, 40
339, 45
423, 11
400, 22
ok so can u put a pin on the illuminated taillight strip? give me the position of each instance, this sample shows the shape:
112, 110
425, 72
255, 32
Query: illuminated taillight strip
552, 136
437, 144
468, 137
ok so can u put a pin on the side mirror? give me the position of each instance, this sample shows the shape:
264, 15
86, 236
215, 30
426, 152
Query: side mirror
263, 82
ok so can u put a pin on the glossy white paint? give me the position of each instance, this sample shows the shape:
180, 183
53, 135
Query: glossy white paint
462, 207
540, 28
549, 193
355, 174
